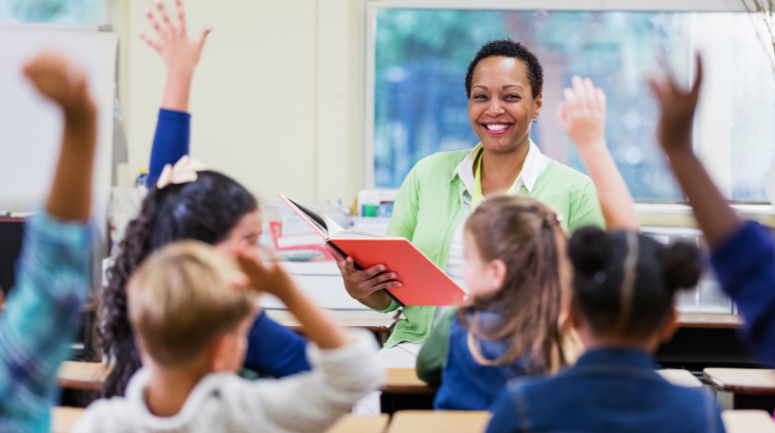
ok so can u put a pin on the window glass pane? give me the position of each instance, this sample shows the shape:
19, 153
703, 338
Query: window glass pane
421, 106
54, 11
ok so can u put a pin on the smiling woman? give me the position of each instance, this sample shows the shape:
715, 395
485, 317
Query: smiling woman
504, 83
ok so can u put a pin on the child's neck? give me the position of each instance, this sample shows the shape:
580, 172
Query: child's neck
592, 342
168, 388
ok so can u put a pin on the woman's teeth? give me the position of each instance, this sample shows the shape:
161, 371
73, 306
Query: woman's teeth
498, 127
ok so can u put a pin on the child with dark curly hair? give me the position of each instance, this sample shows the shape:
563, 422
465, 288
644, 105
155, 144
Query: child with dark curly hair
214, 209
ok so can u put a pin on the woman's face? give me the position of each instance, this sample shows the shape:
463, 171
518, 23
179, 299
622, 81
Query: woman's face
243, 236
502, 107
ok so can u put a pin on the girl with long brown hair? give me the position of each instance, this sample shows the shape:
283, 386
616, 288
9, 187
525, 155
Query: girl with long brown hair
518, 275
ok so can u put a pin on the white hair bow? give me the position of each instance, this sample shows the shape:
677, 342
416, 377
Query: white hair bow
184, 171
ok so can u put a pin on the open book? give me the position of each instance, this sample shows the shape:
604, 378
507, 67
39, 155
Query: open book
423, 283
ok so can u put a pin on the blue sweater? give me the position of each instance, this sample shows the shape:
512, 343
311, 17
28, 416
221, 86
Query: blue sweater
273, 349
745, 266
608, 390
468, 385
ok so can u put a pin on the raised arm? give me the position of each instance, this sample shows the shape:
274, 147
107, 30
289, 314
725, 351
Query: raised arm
319, 326
42, 312
345, 367
582, 116
181, 55
677, 107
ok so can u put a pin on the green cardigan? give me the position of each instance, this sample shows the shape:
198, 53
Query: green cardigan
429, 207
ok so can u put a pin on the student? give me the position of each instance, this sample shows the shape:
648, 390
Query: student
742, 253
42, 313
622, 307
515, 268
191, 325
220, 211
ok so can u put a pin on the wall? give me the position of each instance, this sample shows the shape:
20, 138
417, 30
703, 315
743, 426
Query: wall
274, 101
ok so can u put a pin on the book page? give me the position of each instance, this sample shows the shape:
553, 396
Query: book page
314, 216
360, 234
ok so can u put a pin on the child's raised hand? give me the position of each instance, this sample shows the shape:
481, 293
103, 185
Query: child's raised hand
269, 278
582, 115
58, 80
677, 108
180, 54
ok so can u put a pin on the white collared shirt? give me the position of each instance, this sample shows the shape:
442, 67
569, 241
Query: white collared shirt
535, 164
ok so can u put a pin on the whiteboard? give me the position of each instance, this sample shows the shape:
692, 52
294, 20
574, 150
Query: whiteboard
31, 127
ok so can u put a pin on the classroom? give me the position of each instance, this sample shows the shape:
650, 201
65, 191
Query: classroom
387, 216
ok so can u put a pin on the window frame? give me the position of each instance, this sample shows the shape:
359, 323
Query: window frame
370, 8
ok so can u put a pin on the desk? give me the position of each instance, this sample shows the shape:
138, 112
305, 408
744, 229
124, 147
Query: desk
360, 424
405, 381
748, 421
64, 418
680, 377
377, 323
82, 375
700, 320
428, 421
751, 388
742, 380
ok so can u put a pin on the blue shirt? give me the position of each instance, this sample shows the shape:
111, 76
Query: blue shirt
745, 266
40, 320
608, 390
468, 385
273, 349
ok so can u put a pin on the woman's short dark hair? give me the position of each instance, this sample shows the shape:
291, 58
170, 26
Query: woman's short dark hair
515, 50
598, 282
205, 210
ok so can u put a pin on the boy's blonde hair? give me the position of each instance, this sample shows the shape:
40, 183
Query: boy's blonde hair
179, 300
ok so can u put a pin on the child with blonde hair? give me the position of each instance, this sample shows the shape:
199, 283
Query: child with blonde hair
191, 309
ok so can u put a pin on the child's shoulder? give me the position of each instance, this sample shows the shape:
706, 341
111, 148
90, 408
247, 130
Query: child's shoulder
107, 415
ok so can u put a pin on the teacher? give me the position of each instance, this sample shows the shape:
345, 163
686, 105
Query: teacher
503, 83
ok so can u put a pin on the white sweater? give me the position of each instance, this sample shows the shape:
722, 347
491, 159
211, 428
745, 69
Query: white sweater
224, 402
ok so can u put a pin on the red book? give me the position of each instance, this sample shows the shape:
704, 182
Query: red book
423, 282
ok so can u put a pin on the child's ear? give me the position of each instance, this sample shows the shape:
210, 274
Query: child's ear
669, 327
574, 317
498, 276
223, 353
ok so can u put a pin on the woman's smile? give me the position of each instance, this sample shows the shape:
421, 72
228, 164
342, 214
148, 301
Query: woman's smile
496, 128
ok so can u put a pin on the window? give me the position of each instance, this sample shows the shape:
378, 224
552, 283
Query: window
54, 11
420, 107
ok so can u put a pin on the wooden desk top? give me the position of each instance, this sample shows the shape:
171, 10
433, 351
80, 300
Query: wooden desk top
373, 321
699, 320
742, 380
360, 424
64, 418
680, 377
82, 375
428, 421
748, 421
405, 381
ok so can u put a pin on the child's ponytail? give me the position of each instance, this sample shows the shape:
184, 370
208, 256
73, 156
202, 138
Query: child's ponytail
115, 333
682, 266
